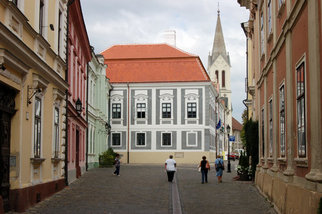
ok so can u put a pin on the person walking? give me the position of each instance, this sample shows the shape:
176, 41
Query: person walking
170, 167
219, 165
117, 164
204, 165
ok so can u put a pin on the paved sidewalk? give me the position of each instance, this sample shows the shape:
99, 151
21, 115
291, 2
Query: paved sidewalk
144, 189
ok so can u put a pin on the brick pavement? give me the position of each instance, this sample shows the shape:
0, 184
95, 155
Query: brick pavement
144, 189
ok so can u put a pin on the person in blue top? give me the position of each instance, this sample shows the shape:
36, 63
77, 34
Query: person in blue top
219, 165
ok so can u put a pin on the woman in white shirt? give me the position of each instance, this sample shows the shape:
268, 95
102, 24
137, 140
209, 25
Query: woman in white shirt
170, 167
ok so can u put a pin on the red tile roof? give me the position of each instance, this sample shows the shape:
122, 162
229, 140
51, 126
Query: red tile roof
236, 125
152, 63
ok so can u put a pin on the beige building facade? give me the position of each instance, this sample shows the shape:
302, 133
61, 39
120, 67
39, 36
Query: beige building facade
286, 63
32, 106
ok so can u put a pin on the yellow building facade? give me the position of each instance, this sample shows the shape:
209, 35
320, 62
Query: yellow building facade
32, 100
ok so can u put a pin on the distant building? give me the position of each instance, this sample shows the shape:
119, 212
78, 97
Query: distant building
285, 64
98, 99
219, 72
79, 54
236, 129
32, 101
162, 103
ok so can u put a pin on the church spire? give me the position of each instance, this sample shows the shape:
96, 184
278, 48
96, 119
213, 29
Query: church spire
219, 47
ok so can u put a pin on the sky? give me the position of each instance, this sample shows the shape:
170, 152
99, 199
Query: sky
111, 22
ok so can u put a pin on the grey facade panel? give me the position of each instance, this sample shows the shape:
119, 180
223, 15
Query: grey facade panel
132, 107
140, 122
175, 106
208, 114
166, 122
200, 105
173, 141
157, 100
116, 122
192, 122
124, 142
185, 141
147, 141
149, 115
183, 91
125, 108
207, 139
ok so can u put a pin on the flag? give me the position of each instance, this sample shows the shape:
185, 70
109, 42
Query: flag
218, 124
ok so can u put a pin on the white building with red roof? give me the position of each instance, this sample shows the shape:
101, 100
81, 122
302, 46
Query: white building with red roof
162, 103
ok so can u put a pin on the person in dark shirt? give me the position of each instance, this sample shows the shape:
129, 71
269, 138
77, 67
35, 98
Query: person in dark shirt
117, 164
204, 165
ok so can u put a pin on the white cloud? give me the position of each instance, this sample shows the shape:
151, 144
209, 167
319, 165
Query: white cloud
143, 21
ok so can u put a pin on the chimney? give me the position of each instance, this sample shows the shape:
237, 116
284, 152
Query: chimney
169, 37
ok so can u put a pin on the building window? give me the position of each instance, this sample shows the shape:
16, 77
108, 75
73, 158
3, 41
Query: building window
216, 73
37, 128
140, 139
41, 16
141, 108
166, 110
262, 33
192, 110
116, 110
270, 128
263, 136
56, 131
59, 31
300, 100
223, 79
269, 7
116, 139
166, 139
282, 121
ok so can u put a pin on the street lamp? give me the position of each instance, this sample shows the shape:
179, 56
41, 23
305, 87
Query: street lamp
228, 131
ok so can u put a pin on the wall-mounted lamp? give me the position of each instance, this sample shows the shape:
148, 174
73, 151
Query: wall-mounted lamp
108, 127
51, 26
79, 107
2, 67
31, 92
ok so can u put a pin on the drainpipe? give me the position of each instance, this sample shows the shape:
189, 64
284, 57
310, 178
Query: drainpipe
109, 110
244, 101
86, 157
69, 3
128, 123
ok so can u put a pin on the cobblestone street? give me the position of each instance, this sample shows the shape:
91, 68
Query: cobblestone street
144, 189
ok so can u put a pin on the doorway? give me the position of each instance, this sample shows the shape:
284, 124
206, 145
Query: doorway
7, 110
78, 171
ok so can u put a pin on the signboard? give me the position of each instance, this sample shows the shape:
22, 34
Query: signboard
232, 138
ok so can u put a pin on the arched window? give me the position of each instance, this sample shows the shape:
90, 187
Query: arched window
216, 76
223, 79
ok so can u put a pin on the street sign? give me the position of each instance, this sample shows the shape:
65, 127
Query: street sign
232, 138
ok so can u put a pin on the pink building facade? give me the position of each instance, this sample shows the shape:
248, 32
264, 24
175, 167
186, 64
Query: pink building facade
78, 56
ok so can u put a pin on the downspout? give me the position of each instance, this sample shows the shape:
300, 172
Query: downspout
244, 101
86, 157
109, 111
128, 123
66, 79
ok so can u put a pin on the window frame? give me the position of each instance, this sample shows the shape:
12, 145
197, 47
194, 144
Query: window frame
223, 78
300, 100
263, 131
269, 13
137, 139
41, 17
262, 33
270, 127
282, 120
162, 139
116, 107
141, 110
37, 128
120, 139
56, 131
194, 113
166, 114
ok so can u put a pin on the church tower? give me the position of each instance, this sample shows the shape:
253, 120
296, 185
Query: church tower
219, 71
